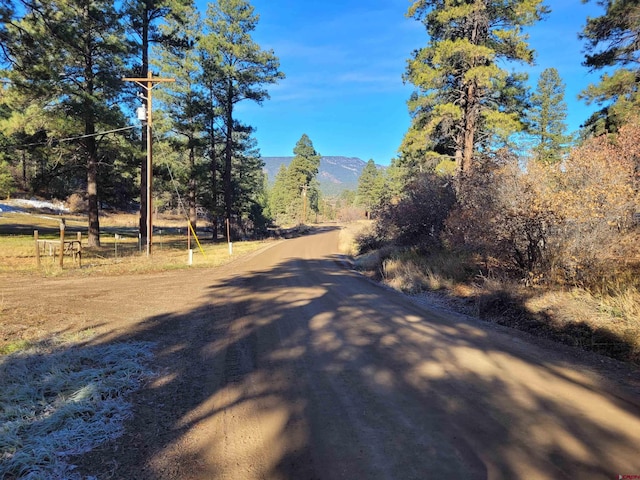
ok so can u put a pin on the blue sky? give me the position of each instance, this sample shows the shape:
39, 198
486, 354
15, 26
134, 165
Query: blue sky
344, 62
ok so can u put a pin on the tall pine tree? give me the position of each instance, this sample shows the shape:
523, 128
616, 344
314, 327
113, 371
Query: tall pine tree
301, 174
370, 186
458, 81
546, 119
241, 70
612, 40
70, 52
183, 100
152, 22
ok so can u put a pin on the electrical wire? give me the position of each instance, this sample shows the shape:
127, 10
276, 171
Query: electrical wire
71, 139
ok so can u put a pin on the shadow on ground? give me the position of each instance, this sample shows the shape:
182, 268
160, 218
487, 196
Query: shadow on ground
307, 371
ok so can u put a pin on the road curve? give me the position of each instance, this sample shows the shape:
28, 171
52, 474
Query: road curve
287, 365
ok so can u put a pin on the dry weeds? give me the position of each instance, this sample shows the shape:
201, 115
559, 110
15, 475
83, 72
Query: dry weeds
607, 323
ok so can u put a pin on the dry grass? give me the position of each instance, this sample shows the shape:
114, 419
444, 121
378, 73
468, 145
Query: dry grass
411, 272
607, 322
119, 251
347, 243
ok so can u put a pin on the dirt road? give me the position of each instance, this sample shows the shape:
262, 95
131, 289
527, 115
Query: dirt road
286, 365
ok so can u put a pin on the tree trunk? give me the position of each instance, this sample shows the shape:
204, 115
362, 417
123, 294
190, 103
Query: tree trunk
228, 155
470, 125
90, 145
471, 93
92, 188
214, 167
24, 170
193, 217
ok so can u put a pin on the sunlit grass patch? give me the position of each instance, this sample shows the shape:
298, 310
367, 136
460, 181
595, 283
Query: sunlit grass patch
14, 347
605, 321
61, 399
347, 241
119, 255
412, 272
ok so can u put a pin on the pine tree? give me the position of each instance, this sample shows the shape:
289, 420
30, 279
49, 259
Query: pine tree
369, 191
296, 190
248, 182
239, 69
279, 196
457, 77
612, 41
305, 163
301, 173
395, 177
70, 52
183, 100
148, 21
546, 118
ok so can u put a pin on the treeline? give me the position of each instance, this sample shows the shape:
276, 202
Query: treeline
489, 171
66, 126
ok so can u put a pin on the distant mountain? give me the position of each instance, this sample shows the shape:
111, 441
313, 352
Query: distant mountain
336, 174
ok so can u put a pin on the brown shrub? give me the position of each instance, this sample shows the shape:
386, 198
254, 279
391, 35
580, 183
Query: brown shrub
594, 193
76, 203
502, 213
418, 218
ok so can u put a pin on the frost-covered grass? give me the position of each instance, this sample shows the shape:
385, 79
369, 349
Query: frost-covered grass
59, 399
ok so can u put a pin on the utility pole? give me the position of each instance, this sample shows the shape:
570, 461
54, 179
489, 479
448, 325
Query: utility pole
148, 84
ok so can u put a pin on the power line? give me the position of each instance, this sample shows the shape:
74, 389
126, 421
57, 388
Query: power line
71, 139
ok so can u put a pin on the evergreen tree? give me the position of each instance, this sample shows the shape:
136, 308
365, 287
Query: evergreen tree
612, 41
152, 22
546, 118
240, 69
314, 197
305, 163
279, 196
296, 191
369, 191
70, 53
7, 183
460, 88
183, 100
212, 85
395, 177
301, 174
26, 124
248, 182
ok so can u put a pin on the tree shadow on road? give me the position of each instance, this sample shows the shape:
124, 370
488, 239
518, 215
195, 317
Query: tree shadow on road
308, 371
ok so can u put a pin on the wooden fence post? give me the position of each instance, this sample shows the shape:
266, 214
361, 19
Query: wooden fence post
79, 249
35, 237
62, 225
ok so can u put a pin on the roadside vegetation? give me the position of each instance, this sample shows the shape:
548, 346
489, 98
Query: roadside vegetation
552, 249
502, 212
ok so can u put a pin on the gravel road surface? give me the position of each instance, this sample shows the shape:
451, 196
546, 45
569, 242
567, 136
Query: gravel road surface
287, 365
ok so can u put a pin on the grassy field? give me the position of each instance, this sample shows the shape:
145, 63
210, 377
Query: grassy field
119, 251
